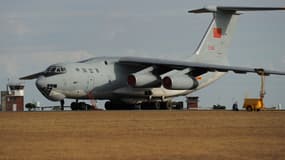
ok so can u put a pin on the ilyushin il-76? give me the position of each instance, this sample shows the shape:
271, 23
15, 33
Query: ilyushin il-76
131, 82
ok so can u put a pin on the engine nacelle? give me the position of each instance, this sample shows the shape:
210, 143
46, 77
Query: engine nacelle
143, 80
180, 82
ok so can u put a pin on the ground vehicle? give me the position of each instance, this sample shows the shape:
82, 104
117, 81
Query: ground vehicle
253, 104
218, 106
256, 104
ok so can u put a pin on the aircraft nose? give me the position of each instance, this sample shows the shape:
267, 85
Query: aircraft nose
41, 82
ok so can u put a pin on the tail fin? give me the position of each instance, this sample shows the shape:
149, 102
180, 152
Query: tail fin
213, 48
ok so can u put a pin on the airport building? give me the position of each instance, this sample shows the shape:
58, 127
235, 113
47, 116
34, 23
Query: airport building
192, 102
13, 98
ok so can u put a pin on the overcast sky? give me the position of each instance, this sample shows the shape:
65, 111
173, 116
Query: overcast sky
37, 33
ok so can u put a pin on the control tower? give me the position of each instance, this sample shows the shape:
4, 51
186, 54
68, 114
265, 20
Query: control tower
13, 98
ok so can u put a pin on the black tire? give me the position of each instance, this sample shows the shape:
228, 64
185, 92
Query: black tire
108, 105
146, 106
168, 105
156, 105
249, 108
162, 105
82, 106
180, 105
73, 106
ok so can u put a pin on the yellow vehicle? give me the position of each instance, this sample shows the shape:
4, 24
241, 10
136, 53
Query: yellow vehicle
256, 104
253, 104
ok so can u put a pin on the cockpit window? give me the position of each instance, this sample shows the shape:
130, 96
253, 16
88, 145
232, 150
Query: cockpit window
52, 69
55, 70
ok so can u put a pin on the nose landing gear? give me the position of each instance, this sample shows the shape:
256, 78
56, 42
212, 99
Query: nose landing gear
62, 105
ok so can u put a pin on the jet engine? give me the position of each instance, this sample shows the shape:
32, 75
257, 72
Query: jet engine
180, 82
144, 78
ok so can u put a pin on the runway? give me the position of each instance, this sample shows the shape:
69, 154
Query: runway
128, 135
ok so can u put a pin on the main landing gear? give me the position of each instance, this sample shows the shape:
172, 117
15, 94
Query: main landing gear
156, 105
164, 105
80, 106
62, 105
110, 105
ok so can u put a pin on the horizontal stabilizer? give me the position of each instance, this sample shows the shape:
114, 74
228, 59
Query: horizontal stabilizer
233, 9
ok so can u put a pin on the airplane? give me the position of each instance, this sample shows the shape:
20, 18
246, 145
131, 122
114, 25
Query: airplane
135, 82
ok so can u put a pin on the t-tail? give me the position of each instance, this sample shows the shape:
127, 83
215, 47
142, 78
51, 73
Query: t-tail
213, 48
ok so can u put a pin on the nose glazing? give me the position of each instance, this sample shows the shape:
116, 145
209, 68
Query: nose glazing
41, 83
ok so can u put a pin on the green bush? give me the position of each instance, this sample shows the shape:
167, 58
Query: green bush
30, 106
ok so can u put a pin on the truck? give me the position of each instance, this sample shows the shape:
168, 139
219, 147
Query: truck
256, 104
253, 104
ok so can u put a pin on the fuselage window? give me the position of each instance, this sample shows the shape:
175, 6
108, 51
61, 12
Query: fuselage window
62, 69
97, 70
53, 69
77, 69
84, 70
106, 63
57, 70
91, 70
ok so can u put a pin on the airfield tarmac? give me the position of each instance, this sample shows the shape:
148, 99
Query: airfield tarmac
128, 135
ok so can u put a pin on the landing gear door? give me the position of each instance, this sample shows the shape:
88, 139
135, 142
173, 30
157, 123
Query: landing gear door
90, 83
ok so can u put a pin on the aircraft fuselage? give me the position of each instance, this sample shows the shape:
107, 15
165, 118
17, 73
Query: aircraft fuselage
104, 78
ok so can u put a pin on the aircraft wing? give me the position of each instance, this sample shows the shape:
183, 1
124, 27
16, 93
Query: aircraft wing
201, 67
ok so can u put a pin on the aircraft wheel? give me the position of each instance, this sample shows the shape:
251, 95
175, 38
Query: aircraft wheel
156, 105
249, 108
168, 105
144, 105
148, 105
82, 106
108, 105
62, 105
162, 105
73, 106
179, 105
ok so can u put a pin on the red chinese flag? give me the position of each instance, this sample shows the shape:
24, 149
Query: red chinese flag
217, 32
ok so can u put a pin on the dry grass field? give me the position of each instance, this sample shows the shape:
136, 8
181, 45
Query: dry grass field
144, 135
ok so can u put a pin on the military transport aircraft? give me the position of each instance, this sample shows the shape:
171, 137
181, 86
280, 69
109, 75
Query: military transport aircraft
134, 81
